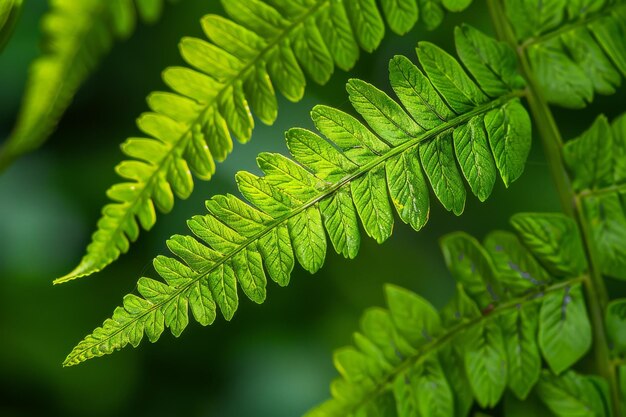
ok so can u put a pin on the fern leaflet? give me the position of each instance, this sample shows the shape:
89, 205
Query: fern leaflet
267, 44
9, 13
333, 182
76, 36
575, 48
411, 360
615, 324
596, 160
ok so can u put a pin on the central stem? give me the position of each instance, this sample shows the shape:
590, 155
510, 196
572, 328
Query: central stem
597, 298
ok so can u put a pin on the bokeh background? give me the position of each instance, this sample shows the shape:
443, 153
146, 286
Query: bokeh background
272, 360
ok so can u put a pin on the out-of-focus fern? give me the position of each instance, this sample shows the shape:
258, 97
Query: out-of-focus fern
331, 183
77, 33
575, 48
597, 160
9, 12
266, 45
509, 312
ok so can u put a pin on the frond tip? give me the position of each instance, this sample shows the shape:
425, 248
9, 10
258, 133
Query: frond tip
77, 34
9, 13
357, 173
266, 45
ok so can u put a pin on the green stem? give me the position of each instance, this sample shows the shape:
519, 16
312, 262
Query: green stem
597, 297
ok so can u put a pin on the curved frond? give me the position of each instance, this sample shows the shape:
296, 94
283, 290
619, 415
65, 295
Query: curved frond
508, 312
268, 45
575, 48
357, 173
77, 34
9, 13
615, 323
596, 161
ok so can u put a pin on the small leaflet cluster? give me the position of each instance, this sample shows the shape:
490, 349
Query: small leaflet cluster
512, 311
355, 173
264, 45
573, 61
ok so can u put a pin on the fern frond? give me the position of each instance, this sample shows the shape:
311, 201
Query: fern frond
9, 13
77, 34
596, 161
266, 45
575, 48
508, 313
333, 182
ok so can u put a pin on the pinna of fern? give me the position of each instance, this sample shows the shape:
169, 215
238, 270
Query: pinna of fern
77, 34
265, 45
519, 302
575, 48
353, 174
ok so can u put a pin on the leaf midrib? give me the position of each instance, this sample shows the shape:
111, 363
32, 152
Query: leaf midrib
202, 274
78, 46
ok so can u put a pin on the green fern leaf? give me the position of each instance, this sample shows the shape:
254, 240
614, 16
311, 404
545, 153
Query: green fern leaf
456, 5
480, 53
485, 363
518, 270
431, 12
77, 35
596, 160
540, 17
441, 363
615, 324
554, 239
454, 369
570, 395
266, 46
575, 49
9, 13
471, 266
434, 396
400, 14
290, 205
519, 329
564, 328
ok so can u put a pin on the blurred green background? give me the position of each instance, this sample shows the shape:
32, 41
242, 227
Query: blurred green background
271, 360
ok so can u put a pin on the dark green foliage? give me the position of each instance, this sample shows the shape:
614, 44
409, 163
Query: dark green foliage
489, 338
597, 160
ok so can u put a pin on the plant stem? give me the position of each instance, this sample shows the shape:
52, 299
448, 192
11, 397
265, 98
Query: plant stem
597, 297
